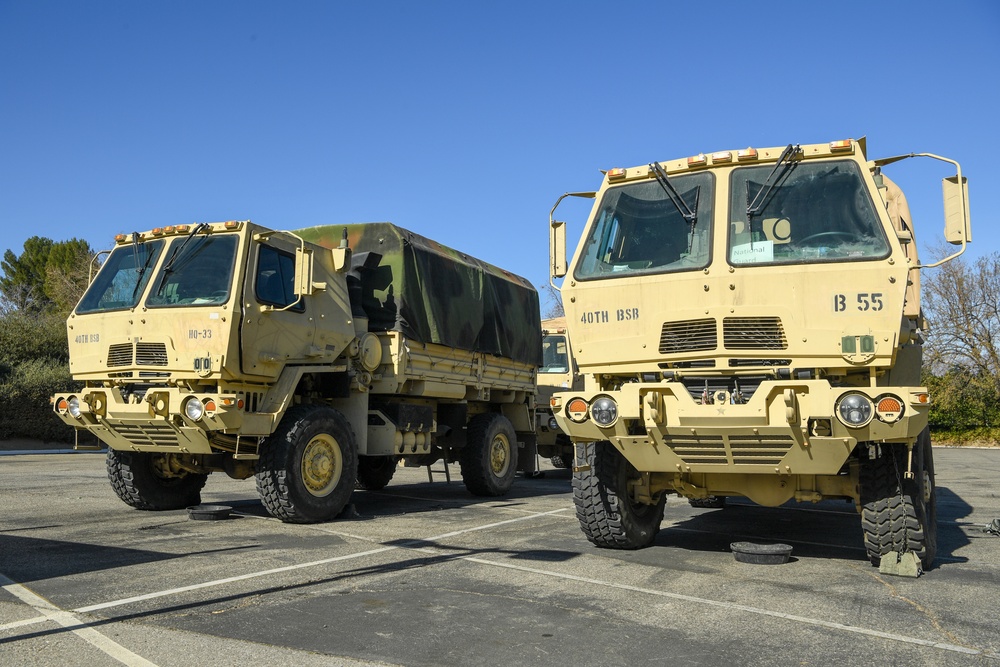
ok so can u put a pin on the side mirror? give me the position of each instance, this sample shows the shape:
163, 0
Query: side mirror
557, 249
957, 228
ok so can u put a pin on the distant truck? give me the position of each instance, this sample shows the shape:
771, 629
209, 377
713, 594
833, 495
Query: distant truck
558, 371
748, 323
311, 360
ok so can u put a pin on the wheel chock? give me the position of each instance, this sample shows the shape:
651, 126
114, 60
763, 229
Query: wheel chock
900, 564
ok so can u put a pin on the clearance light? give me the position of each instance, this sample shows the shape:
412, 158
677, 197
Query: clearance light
616, 174
722, 156
746, 154
920, 399
183, 229
888, 408
698, 160
169, 229
240, 404
842, 145
210, 406
62, 406
232, 224
577, 410
121, 238
157, 231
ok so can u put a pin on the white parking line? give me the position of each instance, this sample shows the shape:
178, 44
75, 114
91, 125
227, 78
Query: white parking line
67, 620
422, 546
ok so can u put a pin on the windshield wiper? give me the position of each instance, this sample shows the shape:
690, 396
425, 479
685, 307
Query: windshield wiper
757, 205
135, 259
168, 267
689, 214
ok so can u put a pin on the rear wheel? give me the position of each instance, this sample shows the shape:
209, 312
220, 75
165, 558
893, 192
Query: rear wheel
148, 481
900, 514
489, 458
607, 514
308, 467
375, 472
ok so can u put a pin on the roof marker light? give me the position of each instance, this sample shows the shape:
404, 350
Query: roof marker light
182, 229
746, 154
842, 145
616, 174
697, 160
722, 156
120, 238
157, 231
232, 224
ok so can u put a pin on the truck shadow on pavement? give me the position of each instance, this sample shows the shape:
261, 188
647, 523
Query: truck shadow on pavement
829, 529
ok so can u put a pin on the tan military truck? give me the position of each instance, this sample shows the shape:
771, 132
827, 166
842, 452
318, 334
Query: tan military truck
312, 360
748, 324
558, 371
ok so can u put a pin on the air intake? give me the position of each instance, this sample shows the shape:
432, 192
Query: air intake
688, 336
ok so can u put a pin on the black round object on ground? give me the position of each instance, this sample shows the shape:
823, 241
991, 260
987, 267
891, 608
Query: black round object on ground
209, 512
761, 554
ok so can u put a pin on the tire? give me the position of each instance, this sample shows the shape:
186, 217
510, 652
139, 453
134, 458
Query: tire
140, 479
308, 467
489, 459
710, 502
561, 461
375, 472
899, 514
607, 516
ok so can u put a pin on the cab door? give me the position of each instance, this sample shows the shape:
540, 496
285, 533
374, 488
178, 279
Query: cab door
277, 326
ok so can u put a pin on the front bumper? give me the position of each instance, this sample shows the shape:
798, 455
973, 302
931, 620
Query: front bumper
786, 427
157, 423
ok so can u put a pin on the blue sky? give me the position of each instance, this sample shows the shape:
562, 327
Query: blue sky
464, 121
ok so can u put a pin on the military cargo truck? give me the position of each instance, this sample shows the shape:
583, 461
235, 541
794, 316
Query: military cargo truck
558, 371
748, 323
311, 360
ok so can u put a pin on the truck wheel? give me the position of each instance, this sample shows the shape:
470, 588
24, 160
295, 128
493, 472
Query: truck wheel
374, 472
900, 514
489, 459
308, 466
560, 461
145, 481
608, 517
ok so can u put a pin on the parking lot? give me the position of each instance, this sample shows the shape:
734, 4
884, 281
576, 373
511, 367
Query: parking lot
424, 574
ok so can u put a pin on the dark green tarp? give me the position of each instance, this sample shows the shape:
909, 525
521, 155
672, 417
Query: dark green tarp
434, 294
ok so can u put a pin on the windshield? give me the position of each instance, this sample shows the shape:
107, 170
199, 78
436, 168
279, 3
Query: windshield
811, 213
122, 279
640, 230
554, 357
198, 274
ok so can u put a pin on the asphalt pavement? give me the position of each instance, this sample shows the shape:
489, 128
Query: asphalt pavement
422, 573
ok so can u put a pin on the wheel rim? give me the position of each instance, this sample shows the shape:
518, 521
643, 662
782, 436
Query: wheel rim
499, 455
322, 465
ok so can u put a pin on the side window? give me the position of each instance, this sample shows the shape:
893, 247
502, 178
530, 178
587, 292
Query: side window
274, 284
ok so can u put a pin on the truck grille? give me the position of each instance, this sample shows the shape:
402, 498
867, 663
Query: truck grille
688, 336
741, 449
148, 434
753, 333
142, 354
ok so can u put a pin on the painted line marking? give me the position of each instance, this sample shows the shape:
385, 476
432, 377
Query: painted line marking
420, 545
50, 612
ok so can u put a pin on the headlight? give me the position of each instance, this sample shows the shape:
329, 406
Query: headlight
604, 411
855, 410
194, 409
553, 424
74, 407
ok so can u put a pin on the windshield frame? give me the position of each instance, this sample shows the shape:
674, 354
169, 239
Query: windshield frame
188, 259
620, 229
762, 236
113, 267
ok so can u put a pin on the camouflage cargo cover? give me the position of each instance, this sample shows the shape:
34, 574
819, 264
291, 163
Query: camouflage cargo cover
435, 294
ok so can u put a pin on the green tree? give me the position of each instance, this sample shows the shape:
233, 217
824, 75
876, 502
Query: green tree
47, 276
962, 353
